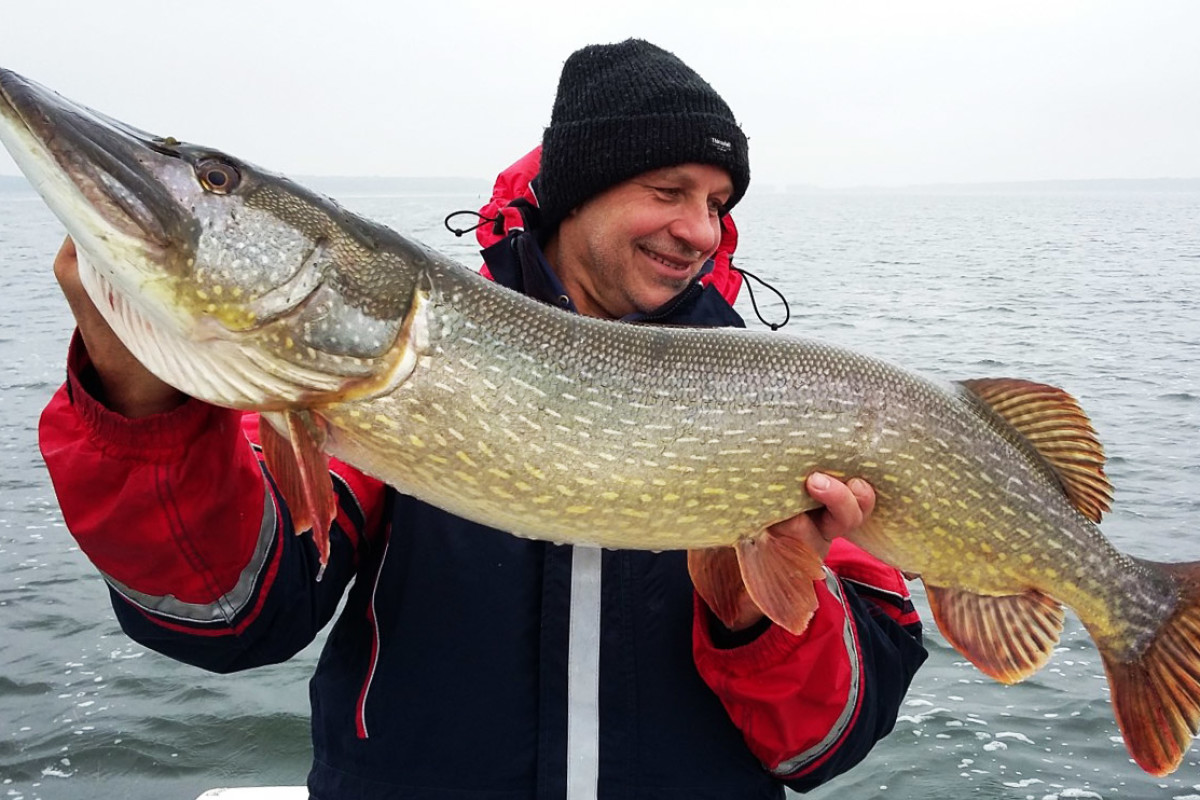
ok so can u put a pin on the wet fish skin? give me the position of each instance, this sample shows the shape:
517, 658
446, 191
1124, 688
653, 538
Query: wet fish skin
246, 290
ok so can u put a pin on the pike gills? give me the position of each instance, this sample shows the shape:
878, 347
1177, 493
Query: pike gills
249, 291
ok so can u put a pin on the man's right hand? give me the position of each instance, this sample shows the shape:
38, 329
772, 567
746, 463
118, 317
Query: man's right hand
127, 387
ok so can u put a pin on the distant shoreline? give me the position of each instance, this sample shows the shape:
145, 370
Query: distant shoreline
349, 185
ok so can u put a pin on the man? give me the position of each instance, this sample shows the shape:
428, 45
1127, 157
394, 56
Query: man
468, 663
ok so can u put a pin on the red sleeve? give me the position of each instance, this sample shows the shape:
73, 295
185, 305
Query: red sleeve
170, 506
811, 706
792, 697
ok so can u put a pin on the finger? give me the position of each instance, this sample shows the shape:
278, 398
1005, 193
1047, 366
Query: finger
864, 493
842, 513
66, 264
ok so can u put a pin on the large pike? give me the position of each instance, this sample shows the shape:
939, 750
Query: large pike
246, 290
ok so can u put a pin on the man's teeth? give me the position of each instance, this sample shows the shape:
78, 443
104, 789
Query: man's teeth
661, 260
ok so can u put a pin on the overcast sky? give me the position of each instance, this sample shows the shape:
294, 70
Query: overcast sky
837, 93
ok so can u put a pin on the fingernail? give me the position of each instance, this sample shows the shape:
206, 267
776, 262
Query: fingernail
818, 481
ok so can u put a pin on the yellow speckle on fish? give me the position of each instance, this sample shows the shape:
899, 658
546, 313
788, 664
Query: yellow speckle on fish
609, 496
578, 509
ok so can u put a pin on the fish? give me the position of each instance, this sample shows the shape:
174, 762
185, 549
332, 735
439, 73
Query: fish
245, 289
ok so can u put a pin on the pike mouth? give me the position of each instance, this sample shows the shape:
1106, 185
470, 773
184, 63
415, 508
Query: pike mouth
76, 157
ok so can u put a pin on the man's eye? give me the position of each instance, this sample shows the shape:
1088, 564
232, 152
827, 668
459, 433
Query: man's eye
668, 191
716, 207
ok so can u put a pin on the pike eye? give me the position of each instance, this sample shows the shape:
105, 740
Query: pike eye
218, 177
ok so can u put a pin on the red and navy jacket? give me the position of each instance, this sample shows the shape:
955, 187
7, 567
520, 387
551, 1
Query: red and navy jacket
448, 672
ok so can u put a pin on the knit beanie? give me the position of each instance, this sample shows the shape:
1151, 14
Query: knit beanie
624, 109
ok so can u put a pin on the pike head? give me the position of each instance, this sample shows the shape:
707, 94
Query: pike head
231, 283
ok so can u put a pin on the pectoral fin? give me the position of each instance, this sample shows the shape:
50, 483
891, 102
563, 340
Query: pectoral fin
778, 570
300, 468
1009, 637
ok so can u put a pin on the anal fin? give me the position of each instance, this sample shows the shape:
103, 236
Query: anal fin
1008, 637
300, 468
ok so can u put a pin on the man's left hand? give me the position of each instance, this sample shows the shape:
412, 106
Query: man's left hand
846, 507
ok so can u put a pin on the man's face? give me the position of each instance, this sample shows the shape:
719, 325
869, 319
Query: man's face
638, 244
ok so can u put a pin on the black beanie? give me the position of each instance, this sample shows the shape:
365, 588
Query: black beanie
624, 109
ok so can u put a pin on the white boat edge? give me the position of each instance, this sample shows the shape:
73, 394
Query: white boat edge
257, 793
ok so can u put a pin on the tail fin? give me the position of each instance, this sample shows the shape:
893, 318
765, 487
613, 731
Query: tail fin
1156, 698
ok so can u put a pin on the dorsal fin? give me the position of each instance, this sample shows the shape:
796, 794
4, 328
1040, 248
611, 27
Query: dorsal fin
1054, 424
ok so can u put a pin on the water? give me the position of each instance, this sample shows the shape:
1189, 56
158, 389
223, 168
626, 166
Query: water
1096, 292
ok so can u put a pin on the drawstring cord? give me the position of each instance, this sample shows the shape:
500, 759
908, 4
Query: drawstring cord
787, 310
483, 220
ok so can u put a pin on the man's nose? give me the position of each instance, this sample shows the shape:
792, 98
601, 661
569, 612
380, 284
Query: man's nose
697, 227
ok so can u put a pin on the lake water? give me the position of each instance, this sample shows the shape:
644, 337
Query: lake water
1096, 292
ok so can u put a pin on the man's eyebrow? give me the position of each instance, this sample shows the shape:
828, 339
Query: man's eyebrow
680, 175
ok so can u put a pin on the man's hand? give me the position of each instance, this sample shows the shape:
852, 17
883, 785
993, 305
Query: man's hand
846, 507
127, 387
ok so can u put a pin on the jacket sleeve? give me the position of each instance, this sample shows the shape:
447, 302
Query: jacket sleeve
812, 706
182, 520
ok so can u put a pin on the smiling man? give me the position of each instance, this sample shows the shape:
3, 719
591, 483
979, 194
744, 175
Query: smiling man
468, 663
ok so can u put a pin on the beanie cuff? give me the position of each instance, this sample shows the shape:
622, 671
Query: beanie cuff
601, 153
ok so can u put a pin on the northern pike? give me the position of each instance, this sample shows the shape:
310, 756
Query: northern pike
244, 289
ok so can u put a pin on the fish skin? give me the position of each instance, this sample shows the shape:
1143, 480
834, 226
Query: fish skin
267, 296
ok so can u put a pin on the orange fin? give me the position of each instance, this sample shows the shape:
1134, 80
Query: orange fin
301, 471
779, 571
1054, 424
1156, 697
1009, 637
718, 580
